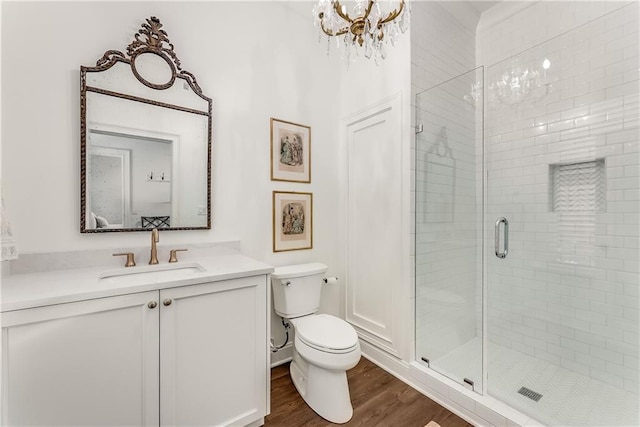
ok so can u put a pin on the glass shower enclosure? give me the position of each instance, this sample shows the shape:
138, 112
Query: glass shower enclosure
448, 177
527, 197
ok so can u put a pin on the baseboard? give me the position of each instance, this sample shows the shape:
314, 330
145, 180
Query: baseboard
282, 356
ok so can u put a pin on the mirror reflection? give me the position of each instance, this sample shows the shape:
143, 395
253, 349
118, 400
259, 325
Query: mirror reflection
145, 140
129, 178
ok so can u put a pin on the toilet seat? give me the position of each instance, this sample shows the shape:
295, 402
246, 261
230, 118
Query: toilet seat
329, 350
326, 333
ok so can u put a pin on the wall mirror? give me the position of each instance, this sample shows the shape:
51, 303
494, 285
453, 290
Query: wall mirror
145, 140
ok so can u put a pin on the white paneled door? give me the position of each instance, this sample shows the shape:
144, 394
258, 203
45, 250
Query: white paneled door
374, 223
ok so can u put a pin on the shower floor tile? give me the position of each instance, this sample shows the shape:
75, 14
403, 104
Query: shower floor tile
463, 362
568, 398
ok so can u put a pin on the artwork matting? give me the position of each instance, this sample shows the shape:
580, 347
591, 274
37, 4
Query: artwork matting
292, 221
290, 151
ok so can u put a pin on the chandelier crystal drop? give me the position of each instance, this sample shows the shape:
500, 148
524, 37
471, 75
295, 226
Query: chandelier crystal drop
364, 28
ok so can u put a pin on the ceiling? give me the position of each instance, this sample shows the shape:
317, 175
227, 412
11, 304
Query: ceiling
480, 5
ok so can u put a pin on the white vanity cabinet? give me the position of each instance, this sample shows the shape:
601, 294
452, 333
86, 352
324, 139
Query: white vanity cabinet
189, 355
214, 369
82, 363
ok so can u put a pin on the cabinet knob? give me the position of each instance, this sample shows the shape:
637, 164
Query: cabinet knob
167, 302
152, 305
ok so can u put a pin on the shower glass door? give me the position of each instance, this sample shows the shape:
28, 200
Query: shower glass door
448, 208
561, 226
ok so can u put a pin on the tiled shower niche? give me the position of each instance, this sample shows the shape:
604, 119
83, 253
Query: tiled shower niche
578, 187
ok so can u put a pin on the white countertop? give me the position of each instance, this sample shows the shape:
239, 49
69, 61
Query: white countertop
27, 290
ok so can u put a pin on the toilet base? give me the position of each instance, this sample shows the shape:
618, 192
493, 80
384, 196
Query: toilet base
325, 391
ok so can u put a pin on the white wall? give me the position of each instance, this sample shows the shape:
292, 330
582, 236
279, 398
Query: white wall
255, 59
271, 68
365, 85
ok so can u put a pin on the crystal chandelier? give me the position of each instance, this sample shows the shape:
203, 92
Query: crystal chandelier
366, 28
516, 84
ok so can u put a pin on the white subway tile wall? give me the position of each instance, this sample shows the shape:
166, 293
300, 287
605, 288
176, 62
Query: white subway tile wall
568, 291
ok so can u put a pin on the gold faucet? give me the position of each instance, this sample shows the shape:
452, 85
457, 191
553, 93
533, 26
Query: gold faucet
155, 237
131, 262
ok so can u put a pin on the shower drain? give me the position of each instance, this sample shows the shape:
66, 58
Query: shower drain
530, 394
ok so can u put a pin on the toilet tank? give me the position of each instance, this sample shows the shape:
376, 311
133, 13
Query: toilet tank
296, 289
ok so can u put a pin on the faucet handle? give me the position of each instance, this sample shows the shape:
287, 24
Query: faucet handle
173, 254
130, 259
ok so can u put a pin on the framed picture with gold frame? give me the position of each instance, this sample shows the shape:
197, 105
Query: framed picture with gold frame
290, 151
292, 221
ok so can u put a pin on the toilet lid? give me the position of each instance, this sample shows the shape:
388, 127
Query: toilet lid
326, 331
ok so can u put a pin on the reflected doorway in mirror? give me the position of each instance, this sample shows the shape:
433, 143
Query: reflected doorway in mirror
139, 196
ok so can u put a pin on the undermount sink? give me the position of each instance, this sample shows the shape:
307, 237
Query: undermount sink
151, 273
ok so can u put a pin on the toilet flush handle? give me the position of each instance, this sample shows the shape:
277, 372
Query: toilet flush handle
287, 283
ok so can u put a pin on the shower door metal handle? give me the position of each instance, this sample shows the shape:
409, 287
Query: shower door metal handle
505, 251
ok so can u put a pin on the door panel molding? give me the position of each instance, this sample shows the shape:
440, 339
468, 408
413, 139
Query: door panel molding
372, 201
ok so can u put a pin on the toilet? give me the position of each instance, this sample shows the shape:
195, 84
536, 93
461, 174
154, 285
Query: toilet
325, 347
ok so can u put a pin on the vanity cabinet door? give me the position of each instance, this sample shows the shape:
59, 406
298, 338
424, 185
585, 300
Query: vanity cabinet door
85, 363
213, 353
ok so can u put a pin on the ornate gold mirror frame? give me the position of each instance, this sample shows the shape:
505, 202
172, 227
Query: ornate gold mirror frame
148, 108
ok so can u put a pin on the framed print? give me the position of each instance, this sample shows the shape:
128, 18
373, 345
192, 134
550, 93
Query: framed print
292, 221
290, 151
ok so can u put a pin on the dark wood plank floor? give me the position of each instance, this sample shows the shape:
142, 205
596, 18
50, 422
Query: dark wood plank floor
378, 399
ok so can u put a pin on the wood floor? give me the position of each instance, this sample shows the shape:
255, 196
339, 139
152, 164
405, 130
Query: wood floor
378, 399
